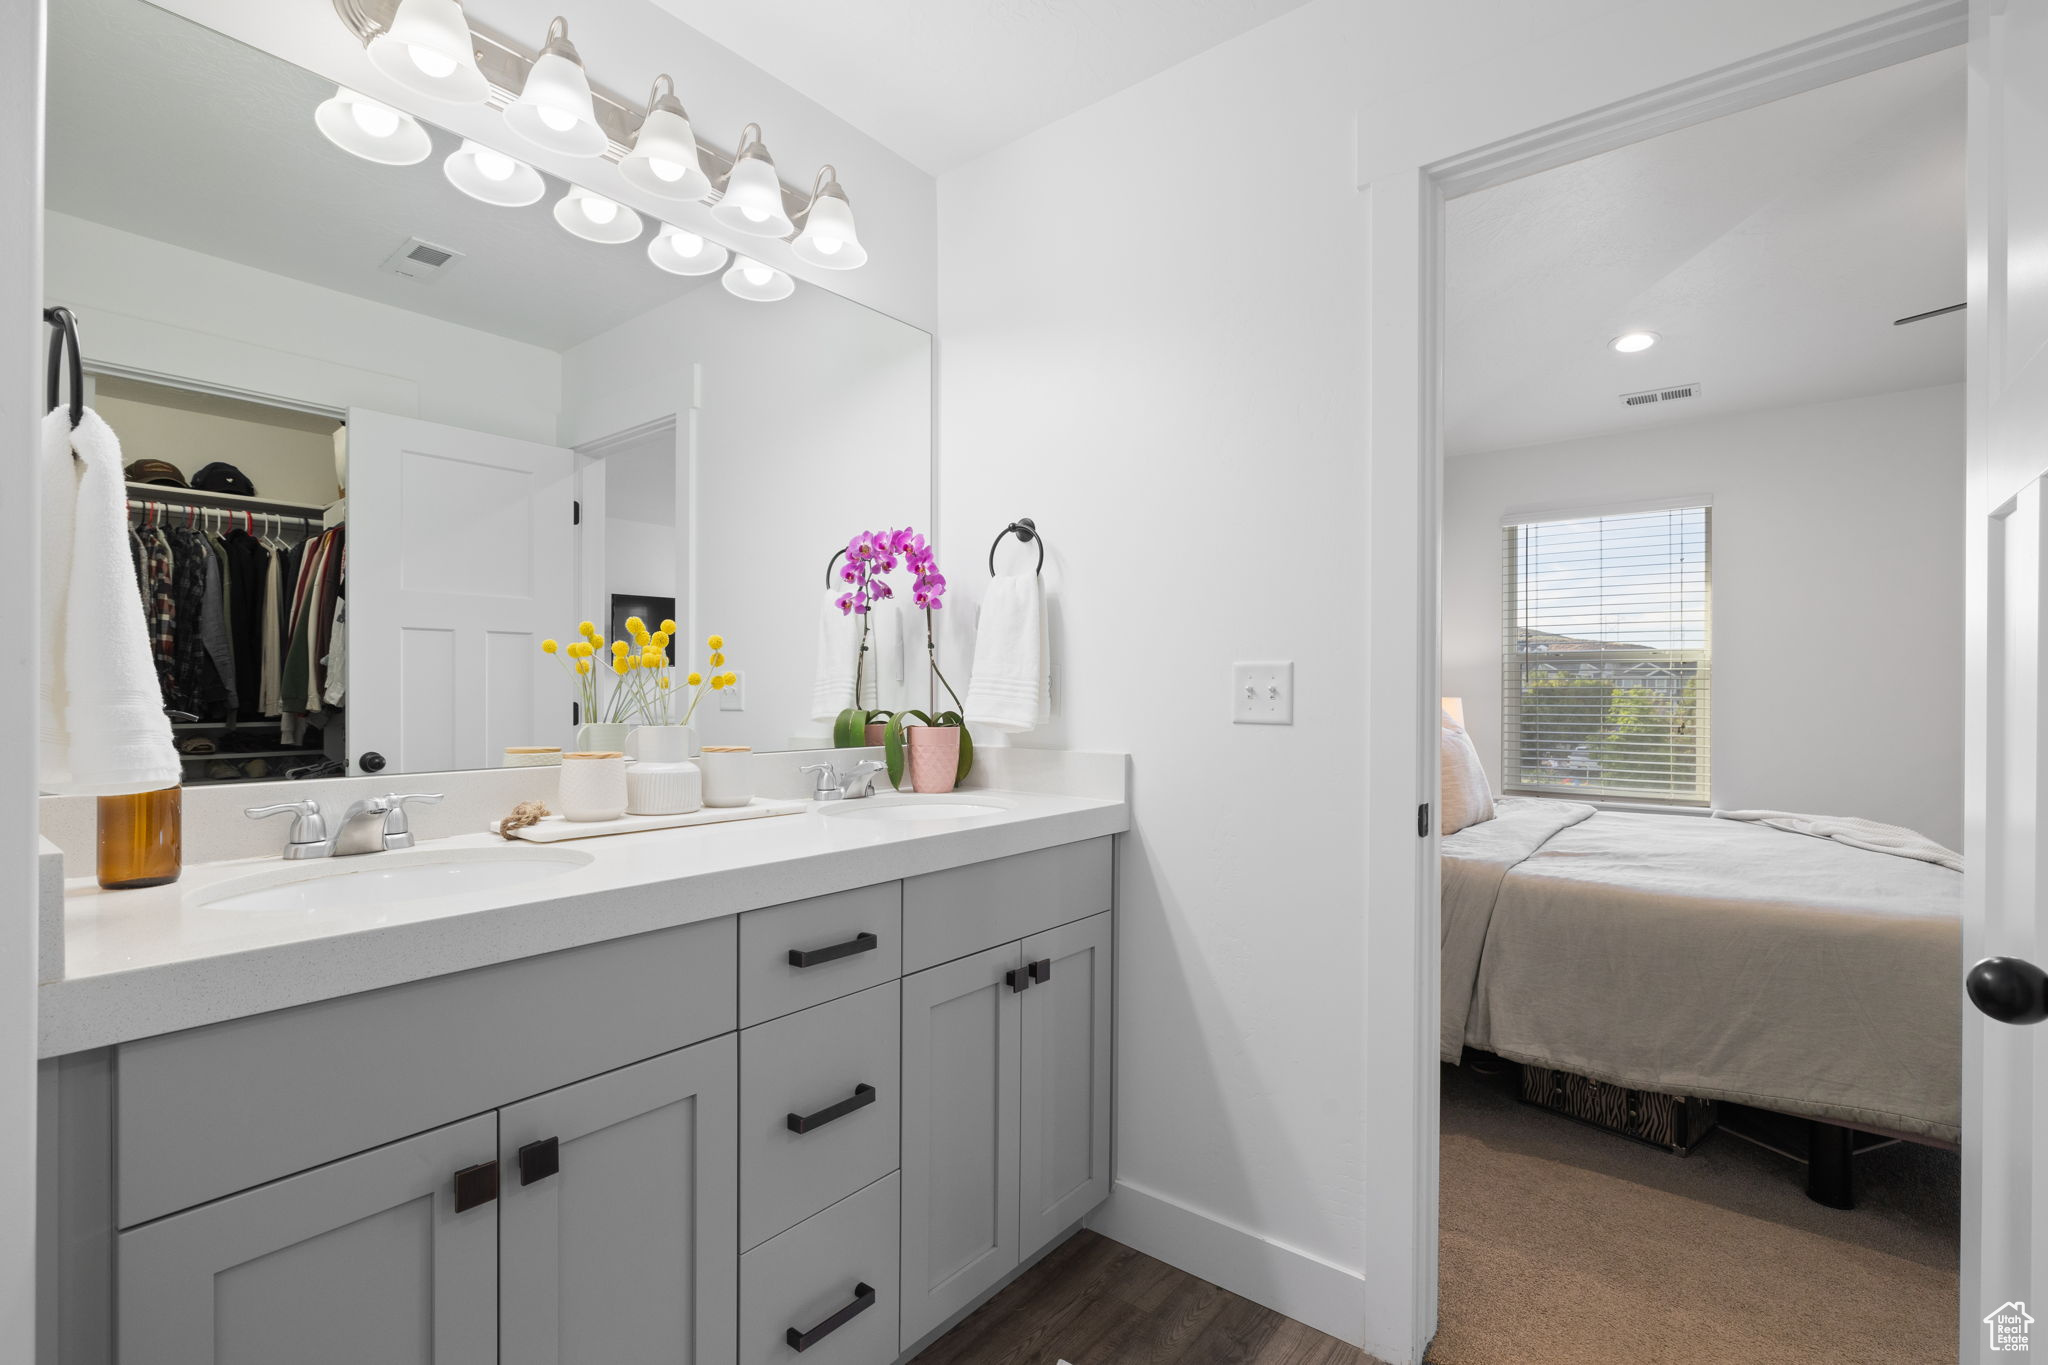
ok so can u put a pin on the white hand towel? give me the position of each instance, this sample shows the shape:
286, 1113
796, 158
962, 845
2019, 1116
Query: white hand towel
887, 686
1008, 691
104, 732
838, 654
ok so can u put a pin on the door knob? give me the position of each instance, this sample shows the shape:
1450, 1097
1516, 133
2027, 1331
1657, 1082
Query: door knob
2009, 989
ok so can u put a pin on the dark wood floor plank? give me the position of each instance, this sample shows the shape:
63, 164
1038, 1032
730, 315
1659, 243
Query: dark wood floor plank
1092, 1301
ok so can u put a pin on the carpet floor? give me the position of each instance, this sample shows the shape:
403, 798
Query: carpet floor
1563, 1245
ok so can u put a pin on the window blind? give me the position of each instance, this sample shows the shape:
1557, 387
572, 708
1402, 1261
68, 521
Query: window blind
1606, 657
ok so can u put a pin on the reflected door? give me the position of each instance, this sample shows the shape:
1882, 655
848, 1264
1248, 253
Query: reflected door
460, 562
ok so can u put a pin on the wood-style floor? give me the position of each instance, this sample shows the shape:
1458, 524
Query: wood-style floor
1097, 1302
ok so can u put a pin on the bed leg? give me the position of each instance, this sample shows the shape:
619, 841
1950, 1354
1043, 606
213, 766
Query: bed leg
1830, 1179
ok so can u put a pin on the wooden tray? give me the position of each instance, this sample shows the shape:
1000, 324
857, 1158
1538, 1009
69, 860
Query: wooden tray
554, 828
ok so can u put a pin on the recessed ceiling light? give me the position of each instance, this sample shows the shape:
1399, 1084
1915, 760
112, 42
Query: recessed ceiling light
1628, 343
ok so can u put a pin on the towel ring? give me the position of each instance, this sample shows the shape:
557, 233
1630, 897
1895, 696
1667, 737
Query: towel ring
832, 564
63, 342
1026, 530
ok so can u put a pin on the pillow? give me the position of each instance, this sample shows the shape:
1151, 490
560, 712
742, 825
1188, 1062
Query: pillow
1467, 797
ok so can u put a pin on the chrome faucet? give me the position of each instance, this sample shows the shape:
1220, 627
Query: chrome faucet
375, 824
835, 786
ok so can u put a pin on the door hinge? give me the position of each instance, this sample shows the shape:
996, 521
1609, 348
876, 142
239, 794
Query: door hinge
1422, 820
575, 513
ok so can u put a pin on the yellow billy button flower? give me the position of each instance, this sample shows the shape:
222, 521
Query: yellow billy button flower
618, 647
619, 667
717, 682
586, 630
732, 679
717, 659
635, 624
668, 628
661, 639
716, 642
695, 680
583, 666
650, 658
663, 684
548, 646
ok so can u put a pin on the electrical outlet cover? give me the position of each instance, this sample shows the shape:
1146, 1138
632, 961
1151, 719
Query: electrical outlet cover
1262, 693
734, 698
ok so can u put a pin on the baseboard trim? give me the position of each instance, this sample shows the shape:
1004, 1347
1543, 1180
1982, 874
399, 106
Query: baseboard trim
1285, 1279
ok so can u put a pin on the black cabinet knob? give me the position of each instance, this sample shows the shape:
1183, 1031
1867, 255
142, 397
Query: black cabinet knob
2009, 989
371, 762
1041, 971
863, 1299
476, 1185
539, 1160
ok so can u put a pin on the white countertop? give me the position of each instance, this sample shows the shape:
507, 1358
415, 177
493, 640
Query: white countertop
140, 963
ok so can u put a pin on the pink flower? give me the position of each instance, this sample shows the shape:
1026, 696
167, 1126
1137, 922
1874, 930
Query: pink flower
845, 603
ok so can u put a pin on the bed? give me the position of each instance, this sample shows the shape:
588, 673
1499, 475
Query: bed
1711, 958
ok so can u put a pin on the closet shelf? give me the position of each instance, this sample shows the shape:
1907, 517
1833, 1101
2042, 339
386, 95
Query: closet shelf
198, 497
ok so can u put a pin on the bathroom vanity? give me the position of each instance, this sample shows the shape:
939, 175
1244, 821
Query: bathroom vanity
650, 1107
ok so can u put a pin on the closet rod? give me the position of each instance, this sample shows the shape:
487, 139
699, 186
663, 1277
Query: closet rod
226, 502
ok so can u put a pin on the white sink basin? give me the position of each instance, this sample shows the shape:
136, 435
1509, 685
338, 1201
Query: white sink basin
350, 883
914, 809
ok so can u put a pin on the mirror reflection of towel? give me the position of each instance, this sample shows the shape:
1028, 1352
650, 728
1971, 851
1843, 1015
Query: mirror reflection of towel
838, 653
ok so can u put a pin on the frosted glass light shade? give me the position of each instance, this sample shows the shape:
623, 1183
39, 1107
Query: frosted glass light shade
753, 197
493, 177
429, 51
663, 161
828, 238
685, 253
595, 218
553, 110
375, 132
758, 283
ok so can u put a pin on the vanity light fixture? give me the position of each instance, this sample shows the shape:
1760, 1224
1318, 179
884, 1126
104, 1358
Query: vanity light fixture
491, 176
685, 253
758, 283
554, 111
664, 161
428, 50
753, 194
828, 238
373, 131
1628, 343
595, 218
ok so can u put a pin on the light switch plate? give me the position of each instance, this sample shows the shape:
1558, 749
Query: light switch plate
734, 698
1262, 693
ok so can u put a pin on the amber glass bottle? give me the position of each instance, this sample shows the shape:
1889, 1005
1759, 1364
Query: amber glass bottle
141, 839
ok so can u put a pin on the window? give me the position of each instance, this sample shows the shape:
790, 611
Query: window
1606, 653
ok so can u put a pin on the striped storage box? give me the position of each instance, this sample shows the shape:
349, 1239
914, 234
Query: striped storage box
1676, 1123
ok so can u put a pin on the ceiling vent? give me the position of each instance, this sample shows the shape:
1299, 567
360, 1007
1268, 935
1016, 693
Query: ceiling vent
418, 260
1670, 395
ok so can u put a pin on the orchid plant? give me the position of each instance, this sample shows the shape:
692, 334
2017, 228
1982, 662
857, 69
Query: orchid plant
870, 557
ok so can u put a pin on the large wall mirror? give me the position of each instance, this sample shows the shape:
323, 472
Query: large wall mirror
386, 438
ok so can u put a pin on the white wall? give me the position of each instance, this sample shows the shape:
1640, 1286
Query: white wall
291, 462
815, 424
1154, 321
1838, 593
152, 306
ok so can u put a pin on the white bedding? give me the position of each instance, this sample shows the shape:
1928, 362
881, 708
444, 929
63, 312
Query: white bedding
1704, 957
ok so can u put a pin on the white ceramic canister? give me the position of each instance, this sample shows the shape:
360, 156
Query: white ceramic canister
663, 780
728, 774
533, 758
593, 786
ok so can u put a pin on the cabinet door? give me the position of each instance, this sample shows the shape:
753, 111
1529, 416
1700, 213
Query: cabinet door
365, 1259
960, 1068
1066, 1086
621, 1221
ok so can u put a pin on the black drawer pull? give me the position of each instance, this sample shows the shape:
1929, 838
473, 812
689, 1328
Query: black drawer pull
863, 1299
862, 1096
1041, 970
1017, 981
811, 957
539, 1160
476, 1186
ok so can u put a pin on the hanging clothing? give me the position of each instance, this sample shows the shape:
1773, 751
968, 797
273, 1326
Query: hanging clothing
248, 572
161, 596
213, 625
270, 689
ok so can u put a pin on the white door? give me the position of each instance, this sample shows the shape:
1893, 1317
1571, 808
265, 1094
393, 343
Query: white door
2005, 1058
460, 562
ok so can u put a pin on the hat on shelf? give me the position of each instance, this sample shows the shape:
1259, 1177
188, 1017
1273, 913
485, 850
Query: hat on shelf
155, 471
222, 477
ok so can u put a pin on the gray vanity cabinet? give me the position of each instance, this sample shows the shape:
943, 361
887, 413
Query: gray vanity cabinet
619, 1212
1065, 1113
962, 1058
365, 1259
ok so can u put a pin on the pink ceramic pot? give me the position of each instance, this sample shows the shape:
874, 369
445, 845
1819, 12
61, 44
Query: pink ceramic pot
934, 757
878, 731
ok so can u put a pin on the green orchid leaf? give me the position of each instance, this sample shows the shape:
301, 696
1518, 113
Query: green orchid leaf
966, 754
850, 730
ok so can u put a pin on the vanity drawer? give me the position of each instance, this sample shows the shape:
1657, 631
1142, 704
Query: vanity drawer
966, 909
835, 1068
212, 1110
844, 943
812, 1277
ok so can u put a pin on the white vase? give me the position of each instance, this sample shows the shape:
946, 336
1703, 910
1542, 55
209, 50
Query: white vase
728, 775
592, 786
663, 780
602, 735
